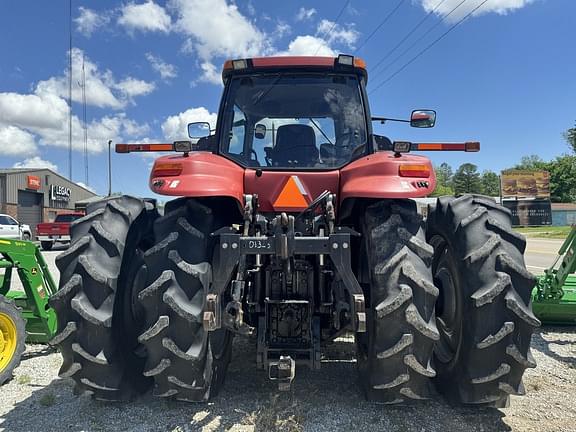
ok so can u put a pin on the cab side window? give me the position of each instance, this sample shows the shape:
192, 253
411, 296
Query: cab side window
238, 132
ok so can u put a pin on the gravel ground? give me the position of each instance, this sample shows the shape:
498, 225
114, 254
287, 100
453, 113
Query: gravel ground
326, 400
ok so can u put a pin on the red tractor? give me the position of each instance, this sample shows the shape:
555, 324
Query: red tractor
295, 224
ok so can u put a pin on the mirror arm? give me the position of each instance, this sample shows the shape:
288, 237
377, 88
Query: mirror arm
383, 120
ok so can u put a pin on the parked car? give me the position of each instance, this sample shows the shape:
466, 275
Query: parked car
58, 231
11, 228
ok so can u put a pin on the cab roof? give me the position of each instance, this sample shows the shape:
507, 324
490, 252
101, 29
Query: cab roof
341, 63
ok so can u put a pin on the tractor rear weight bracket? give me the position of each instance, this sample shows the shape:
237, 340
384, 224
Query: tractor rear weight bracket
231, 247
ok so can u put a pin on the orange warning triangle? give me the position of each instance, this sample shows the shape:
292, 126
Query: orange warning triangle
292, 195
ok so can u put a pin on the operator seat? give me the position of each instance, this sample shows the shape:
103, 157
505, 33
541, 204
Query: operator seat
295, 147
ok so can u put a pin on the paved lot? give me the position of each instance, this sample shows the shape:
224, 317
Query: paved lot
326, 400
541, 253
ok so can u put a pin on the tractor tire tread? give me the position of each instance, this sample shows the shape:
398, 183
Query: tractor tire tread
495, 346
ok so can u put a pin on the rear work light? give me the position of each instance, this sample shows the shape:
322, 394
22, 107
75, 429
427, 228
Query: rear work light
237, 64
167, 169
349, 60
414, 170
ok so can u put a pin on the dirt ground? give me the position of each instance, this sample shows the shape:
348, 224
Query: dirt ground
326, 400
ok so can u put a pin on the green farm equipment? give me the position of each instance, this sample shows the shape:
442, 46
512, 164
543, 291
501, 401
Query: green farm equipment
24, 314
554, 297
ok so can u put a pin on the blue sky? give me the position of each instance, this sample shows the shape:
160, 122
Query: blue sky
505, 76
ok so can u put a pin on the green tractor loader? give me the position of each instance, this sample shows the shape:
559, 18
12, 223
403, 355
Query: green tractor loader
24, 315
554, 296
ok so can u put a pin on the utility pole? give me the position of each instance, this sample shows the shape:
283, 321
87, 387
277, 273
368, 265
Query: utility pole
109, 168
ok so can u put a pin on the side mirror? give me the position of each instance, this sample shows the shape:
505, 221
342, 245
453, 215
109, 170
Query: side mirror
423, 118
260, 131
198, 130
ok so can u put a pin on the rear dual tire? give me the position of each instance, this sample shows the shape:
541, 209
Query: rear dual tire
468, 287
90, 303
484, 314
186, 362
394, 354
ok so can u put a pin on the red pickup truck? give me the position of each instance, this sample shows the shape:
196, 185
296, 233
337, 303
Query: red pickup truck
58, 231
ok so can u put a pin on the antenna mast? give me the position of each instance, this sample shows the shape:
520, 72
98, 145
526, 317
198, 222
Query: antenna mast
70, 97
82, 84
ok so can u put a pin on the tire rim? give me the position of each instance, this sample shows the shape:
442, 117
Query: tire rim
7, 340
448, 304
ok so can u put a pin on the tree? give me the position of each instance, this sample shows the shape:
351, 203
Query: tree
563, 179
490, 183
467, 179
570, 137
444, 176
532, 163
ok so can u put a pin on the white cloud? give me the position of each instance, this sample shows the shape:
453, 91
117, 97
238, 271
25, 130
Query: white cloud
305, 14
145, 17
166, 70
334, 33
15, 141
132, 87
282, 29
500, 7
36, 162
42, 110
176, 127
85, 186
308, 46
116, 128
210, 73
89, 21
102, 88
217, 29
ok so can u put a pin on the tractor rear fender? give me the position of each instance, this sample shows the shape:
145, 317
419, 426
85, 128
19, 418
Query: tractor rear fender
384, 175
200, 174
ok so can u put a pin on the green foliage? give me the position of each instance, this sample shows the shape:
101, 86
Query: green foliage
467, 179
490, 183
444, 176
570, 137
563, 179
532, 163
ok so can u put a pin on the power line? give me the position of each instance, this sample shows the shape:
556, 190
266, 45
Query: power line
386, 18
428, 46
410, 33
426, 33
333, 26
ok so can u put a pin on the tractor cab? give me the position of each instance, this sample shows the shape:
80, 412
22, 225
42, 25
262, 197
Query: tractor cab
304, 116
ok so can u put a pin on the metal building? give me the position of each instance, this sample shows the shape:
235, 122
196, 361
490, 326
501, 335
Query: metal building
33, 196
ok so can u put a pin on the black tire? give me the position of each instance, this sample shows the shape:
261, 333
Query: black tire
10, 316
46, 245
26, 236
186, 362
394, 354
89, 304
483, 314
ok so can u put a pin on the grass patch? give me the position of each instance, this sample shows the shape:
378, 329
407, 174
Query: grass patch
24, 379
47, 400
553, 232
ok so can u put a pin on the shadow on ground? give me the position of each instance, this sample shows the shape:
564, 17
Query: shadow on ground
325, 400
542, 343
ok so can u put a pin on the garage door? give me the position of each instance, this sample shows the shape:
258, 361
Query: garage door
30, 209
